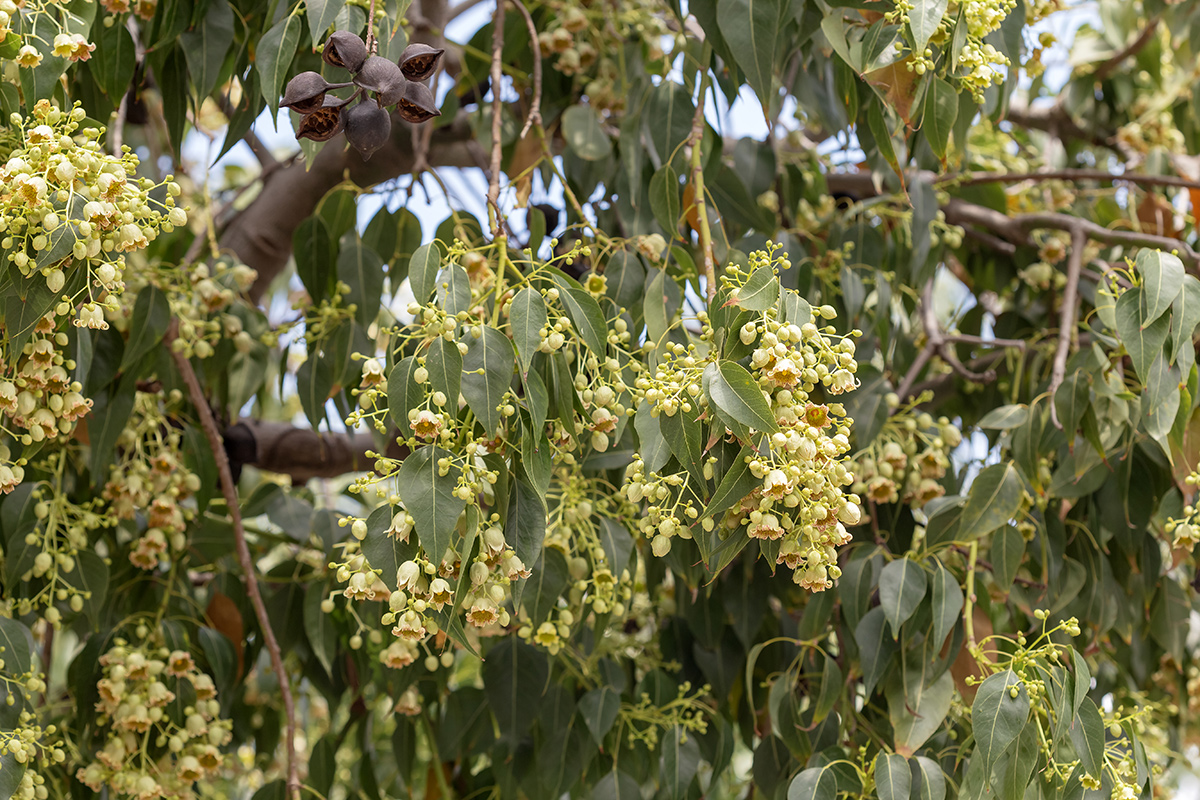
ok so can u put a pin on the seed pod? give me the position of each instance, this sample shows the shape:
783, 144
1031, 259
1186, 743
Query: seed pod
418, 104
344, 49
367, 128
419, 61
379, 75
324, 123
393, 95
305, 93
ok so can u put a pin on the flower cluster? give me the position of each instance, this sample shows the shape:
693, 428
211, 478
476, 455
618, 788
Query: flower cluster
72, 210
68, 45
1186, 529
979, 63
35, 747
151, 478
154, 747
907, 459
799, 499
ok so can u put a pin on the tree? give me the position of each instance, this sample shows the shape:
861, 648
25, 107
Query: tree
858, 457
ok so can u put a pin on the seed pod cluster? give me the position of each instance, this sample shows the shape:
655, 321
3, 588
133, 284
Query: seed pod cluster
380, 83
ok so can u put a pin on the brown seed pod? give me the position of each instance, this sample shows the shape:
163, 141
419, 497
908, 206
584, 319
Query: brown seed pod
344, 49
367, 128
418, 104
324, 123
379, 75
305, 93
419, 61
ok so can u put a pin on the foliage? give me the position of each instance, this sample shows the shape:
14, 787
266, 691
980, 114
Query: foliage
857, 457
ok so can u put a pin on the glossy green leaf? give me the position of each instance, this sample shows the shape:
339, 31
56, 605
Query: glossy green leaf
875, 645
923, 20
315, 252
664, 199
918, 712
361, 268
599, 709
997, 717
274, 58
404, 393
487, 372
318, 627
737, 398
1071, 400
321, 14
994, 499
205, 46
586, 317
1162, 281
444, 363
928, 779
514, 677
1008, 548
114, 60
902, 587
151, 316
423, 270
584, 134
679, 762
893, 778
527, 316
17, 644
454, 290
761, 290
947, 601
430, 499
1143, 338
816, 783
752, 29
941, 107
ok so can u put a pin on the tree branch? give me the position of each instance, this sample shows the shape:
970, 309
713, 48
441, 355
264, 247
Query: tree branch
229, 490
1103, 176
535, 107
1067, 315
493, 195
694, 141
1133, 48
303, 453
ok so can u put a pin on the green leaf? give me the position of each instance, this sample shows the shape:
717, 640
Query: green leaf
875, 647
12, 772
923, 20
752, 29
321, 14
105, 424
487, 372
361, 268
114, 60
736, 397
314, 384
815, 783
586, 316
761, 290
1011, 775
928, 779
831, 689
430, 499
1083, 678
454, 290
16, 646
902, 587
599, 709
1162, 281
616, 785
893, 777
90, 577
668, 121
525, 525
274, 56
1008, 548
1143, 338
584, 135
404, 393
947, 604
735, 484
918, 713
514, 677
664, 199
444, 364
684, 436
315, 252
617, 543
1087, 734
322, 764
147, 326
625, 278
680, 760
206, 46
994, 498
318, 626
1071, 400
423, 270
997, 718
1185, 315
385, 552
1162, 397
527, 316
940, 108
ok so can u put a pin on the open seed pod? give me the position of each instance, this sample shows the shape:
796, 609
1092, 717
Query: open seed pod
367, 127
379, 75
344, 49
324, 123
305, 93
419, 61
418, 104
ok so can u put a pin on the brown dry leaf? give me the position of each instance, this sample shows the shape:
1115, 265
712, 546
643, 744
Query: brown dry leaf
223, 616
689, 203
898, 85
526, 155
1157, 216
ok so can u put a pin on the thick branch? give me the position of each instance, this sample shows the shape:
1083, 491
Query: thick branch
493, 195
1100, 175
229, 490
1057, 122
261, 236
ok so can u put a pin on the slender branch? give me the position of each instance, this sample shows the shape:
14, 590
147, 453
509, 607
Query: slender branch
1067, 315
535, 106
697, 134
905, 389
229, 490
1103, 176
372, 42
493, 195
1110, 66
969, 605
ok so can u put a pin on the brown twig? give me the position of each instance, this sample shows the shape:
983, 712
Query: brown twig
1067, 314
229, 490
694, 140
372, 42
1032, 584
1103, 176
1110, 66
493, 195
535, 105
